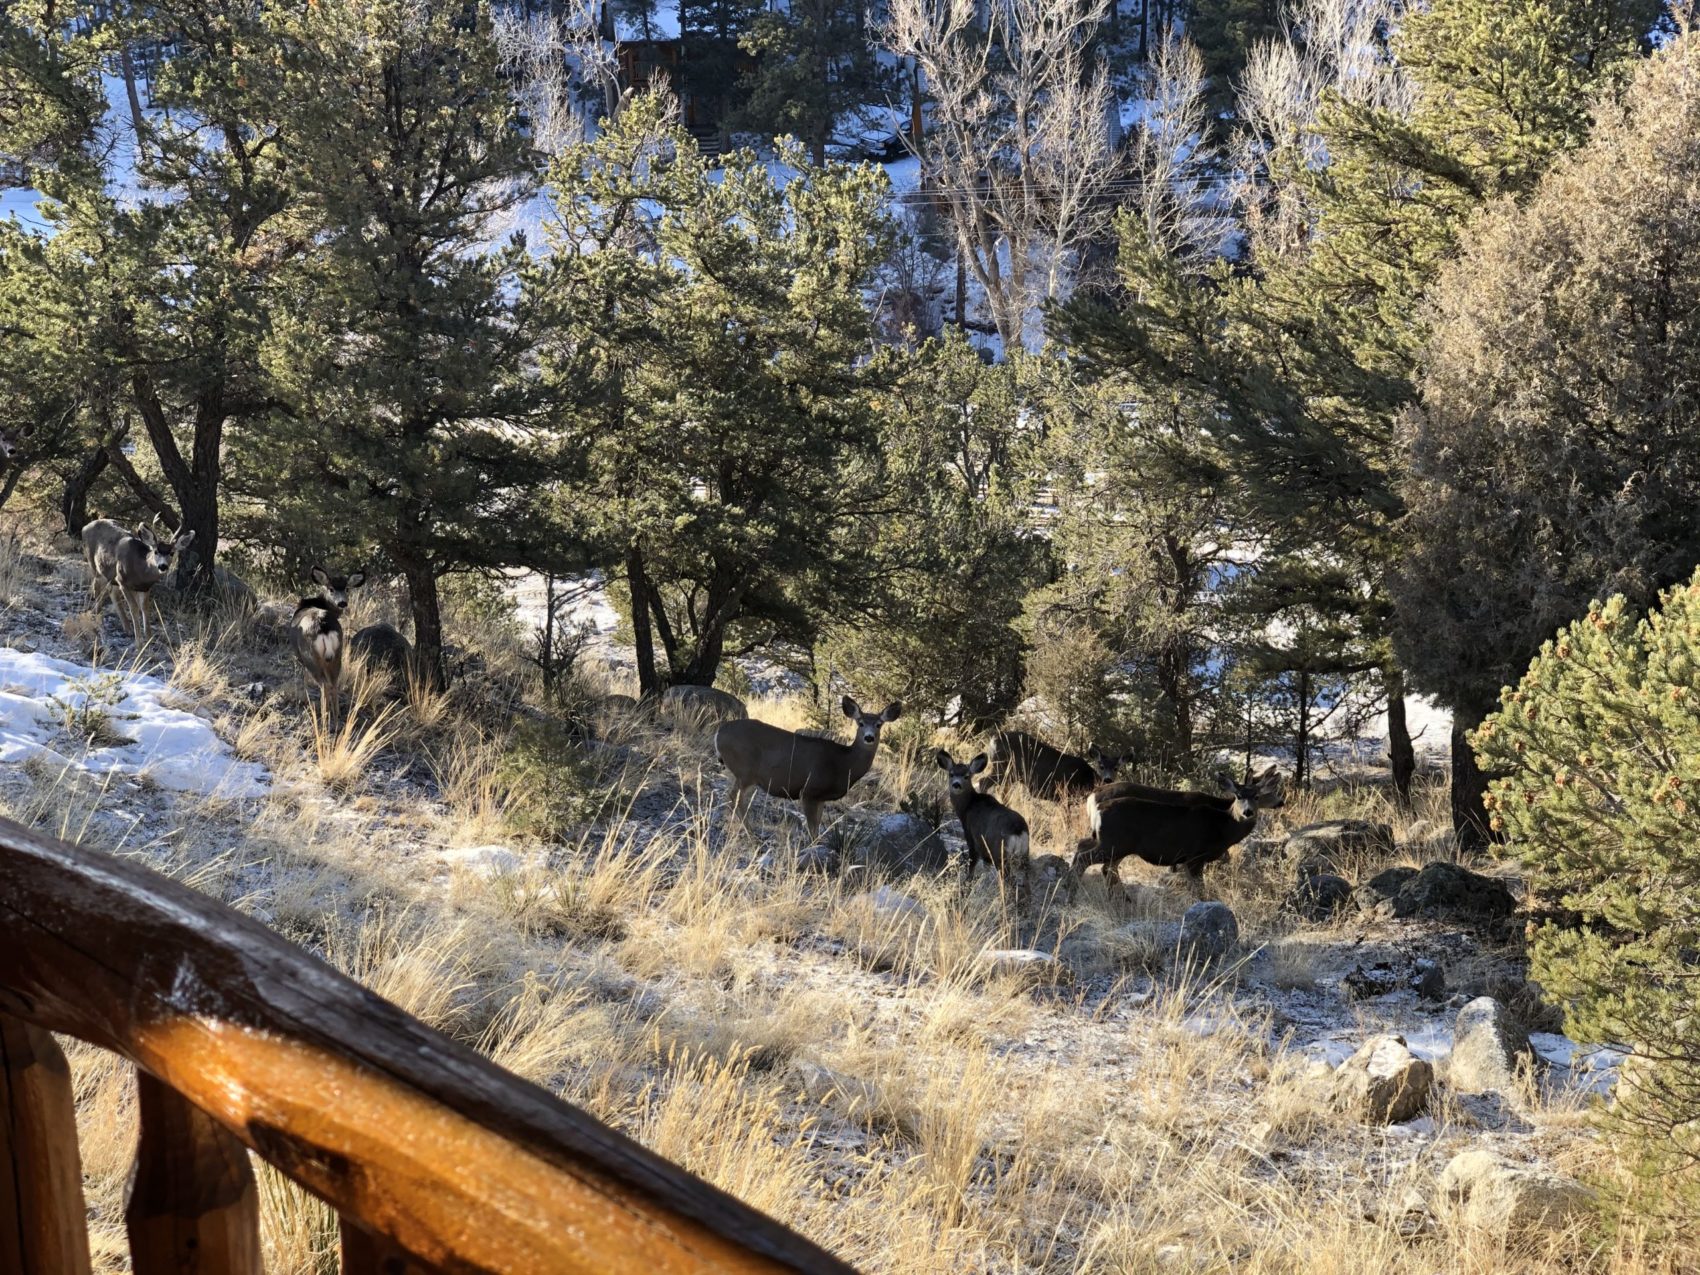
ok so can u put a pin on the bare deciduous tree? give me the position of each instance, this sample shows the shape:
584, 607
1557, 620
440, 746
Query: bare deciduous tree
1019, 155
553, 57
1173, 160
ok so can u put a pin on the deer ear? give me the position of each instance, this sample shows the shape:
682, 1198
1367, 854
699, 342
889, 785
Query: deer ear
977, 765
849, 707
185, 540
320, 577
144, 533
893, 711
943, 759
357, 579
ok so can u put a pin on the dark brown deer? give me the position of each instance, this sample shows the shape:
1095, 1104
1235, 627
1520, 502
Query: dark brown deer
1171, 829
1047, 772
131, 563
317, 634
803, 768
994, 832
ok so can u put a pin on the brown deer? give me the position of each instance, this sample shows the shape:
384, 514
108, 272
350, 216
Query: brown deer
131, 563
803, 768
317, 634
1171, 829
994, 832
1045, 771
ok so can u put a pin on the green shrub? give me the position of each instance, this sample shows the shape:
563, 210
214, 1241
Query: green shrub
554, 785
1598, 755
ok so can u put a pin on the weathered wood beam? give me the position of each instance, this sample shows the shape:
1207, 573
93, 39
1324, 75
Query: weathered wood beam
419, 1139
43, 1227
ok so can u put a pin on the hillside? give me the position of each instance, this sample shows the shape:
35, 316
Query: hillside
922, 1081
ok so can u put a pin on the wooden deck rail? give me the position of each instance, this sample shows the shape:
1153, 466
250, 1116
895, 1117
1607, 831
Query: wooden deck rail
435, 1159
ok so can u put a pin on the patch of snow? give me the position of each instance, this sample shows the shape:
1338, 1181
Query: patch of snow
168, 746
1593, 1067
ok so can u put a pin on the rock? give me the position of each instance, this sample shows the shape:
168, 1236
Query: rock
1330, 845
1376, 895
384, 649
1209, 929
1494, 1194
891, 905
1320, 896
702, 706
1430, 981
1027, 964
1368, 982
1486, 1046
895, 842
1383, 1083
1446, 890
1051, 880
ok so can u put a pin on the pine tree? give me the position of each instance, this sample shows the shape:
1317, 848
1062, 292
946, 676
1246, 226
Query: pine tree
1313, 351
1552, 459
813, 62
707, 357
410, 428
1595, 747
712, 32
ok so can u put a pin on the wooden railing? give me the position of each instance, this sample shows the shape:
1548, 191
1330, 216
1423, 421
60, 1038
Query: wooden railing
434, 1158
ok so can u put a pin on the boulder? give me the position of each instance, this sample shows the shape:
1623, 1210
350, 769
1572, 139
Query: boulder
896, 842
1446, 890
891, 905
1208, 930
1493, 1193
702, 705
1328, 846
1376, 895
1486, 1046
1383, 1083
1051, 880
1320, 895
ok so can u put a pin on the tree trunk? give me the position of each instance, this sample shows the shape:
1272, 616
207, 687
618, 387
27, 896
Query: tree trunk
75, 503
961, 286
1469, 786
1301, 741
427, 613
143, 489
11, 484
643, 635
1401, 754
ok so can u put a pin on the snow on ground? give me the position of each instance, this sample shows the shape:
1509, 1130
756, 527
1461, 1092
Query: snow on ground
169, 746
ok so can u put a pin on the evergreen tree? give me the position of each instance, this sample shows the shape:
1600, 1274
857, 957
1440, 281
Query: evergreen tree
411, 428
717, 449
1313, 351
813, 62
1552, 459
712, 32
1595, 748
1225, 32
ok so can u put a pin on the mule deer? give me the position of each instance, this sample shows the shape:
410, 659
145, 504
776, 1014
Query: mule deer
803, 768
1045, 771
131, 563
384, 649
994, 832
317, 633
1171, 829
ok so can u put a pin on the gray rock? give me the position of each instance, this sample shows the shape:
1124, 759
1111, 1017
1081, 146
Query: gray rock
1209, 929
894, 842
702, 706
1446, 890
1330, 845
1489, 1192
1383, 1083
1321, 895
1487, 1044
889, 904
1031, 966
1376, 895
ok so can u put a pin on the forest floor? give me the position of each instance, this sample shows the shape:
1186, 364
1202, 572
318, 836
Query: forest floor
838, 1049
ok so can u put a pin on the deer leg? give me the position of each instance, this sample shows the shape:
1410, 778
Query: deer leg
811, 816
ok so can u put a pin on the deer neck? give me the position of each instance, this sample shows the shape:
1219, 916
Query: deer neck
861, 758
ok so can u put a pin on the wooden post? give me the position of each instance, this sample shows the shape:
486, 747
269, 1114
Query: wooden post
193, 1208
43, 1227
364, 1253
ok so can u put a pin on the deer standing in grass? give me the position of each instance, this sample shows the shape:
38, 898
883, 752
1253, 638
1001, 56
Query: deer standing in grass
1184, 830
130, 562
317, 634
803, 768
994, 832
1045, 771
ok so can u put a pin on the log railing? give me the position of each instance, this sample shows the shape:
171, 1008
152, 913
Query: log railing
434, 1158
